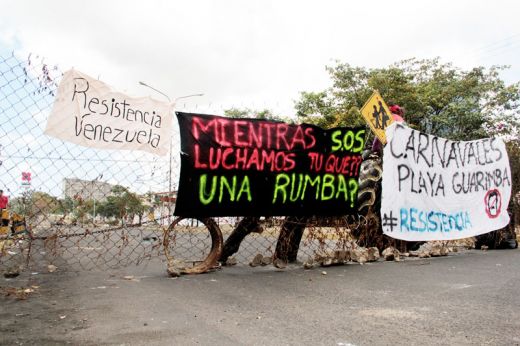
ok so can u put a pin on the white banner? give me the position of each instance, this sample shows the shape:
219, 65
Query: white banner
89, 113
437, 189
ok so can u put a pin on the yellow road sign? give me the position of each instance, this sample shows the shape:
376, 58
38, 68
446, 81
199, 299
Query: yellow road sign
377, 115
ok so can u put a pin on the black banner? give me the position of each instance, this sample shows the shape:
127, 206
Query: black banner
248, 167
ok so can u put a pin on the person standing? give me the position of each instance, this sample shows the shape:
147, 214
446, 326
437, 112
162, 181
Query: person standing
397, 116
4, 201
4, 214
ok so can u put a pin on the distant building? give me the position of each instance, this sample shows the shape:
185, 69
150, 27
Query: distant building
164, 206
166, 197
86, 189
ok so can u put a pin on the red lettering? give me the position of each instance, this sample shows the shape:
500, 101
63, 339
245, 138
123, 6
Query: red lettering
345, 169
253, 160
214, 158
316, 161
330, 163
298, 138
198, 123
289, 162
268, 157
269, 127
355, 171
241, 159
347, 165
279, 161
259, 145
255, 134
198, 164
259, 159
225, 155
239, 134
281, 131
337, 166
223, 135
309, 133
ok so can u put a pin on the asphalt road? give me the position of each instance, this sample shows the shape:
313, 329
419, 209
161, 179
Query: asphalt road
465, 298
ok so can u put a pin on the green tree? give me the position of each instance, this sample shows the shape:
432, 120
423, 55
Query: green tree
22, 204
122, 204
32, 203
108, 208
43, 203
264, 114
65, 205
439, 98
513, 151
83, 208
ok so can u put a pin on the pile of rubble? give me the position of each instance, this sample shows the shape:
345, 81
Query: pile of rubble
361, 255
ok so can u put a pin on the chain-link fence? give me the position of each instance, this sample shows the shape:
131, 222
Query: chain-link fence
74, 204
81, 208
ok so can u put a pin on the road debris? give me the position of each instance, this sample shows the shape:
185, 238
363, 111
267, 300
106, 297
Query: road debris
11, 274
257, 260
20, 293
279, 263
266, 260
309, 264
231, 261
391, 254
359, 255
51, 268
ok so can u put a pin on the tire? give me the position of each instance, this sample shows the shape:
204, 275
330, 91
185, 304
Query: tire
209, 262
369, 196
369, 206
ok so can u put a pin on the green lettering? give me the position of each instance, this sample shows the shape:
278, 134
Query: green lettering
353, 187
281, 186
202, 189
314, 182
336, 140
342, 187
348, 140
360, 138
230, 189
245, 188
293, 198
328, 182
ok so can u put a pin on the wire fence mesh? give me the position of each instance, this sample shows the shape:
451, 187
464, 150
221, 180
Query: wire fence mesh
80, 208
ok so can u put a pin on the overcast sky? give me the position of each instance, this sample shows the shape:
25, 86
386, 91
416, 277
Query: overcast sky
255, 53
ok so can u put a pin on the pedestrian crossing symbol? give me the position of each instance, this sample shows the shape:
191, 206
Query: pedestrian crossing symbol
377, 115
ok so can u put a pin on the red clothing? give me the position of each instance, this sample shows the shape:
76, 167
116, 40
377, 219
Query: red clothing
3, 202
397, 118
